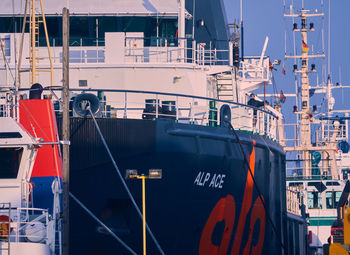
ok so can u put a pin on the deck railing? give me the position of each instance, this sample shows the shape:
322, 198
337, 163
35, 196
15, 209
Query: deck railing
24, 225
316, 177
181, 108
293, 201
327, 131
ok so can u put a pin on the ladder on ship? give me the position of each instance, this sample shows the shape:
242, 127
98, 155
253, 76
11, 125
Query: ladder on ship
35, 19
225, 87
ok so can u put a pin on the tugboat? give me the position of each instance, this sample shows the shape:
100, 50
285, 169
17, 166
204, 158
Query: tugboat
25, 228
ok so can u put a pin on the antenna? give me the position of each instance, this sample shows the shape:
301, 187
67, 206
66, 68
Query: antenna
242, 34
329, 37
304, 113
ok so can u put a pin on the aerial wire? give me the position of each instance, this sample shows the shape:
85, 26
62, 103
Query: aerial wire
323, 44
329, 37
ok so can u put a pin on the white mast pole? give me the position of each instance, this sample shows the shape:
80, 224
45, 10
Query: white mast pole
329, 37
241, 11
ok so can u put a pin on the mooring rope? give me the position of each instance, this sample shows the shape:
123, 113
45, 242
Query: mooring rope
102, 224
257, 188
123, 181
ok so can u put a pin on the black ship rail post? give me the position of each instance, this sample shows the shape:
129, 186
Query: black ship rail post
153, 174
304, 145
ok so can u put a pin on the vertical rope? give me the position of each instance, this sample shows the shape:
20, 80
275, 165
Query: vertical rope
123, 181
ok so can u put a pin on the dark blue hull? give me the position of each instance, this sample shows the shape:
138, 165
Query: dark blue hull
205, 203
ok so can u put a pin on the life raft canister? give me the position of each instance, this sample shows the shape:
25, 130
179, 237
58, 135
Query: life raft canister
4, 226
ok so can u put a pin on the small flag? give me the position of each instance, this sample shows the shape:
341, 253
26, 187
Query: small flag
282, 97
284, 70
305, 47
271, 66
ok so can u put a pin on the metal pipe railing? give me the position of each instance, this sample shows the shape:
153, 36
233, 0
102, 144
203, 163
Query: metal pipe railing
189, 109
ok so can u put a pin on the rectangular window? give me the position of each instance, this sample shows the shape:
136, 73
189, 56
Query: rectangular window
332, 199
75, 56
314, 200
82, 83
95, 56
10, 159
10, 135
329, 200
90, 30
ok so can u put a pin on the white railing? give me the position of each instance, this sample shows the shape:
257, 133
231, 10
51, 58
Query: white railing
332, 129
25, 225
326, 132
300, 177
181, 108
293, 201
252, 69
166, 52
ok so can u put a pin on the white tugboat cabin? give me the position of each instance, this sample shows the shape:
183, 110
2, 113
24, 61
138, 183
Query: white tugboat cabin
23, 229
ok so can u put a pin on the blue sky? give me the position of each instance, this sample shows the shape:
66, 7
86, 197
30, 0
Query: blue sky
265, 18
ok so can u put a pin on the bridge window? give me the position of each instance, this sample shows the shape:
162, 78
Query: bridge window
314, 200
10, 159
6, 135
332, 199
90, 31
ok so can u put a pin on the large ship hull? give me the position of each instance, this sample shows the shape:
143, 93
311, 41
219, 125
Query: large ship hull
206, 202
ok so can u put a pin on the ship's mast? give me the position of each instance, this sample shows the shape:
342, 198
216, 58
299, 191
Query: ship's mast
36, 17
305, 146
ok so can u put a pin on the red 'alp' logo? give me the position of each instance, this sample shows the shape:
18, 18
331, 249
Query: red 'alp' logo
225, 210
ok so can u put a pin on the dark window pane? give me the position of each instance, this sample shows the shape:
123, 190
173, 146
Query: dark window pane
10, 159
10, 135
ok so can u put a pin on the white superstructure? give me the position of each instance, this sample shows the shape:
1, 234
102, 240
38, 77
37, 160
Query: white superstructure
23, 229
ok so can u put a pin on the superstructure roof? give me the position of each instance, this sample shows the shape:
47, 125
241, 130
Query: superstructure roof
97, 7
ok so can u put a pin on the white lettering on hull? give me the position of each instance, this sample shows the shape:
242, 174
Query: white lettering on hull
215, 180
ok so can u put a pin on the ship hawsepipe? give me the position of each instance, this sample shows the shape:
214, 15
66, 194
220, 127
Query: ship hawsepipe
205, 203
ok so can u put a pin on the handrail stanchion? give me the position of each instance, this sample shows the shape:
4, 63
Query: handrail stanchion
177, 108
202, 55
156, 106
125, 105
215, 57
208, 112
185, 51
166, 51
193, 51
210, 53
259, 122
